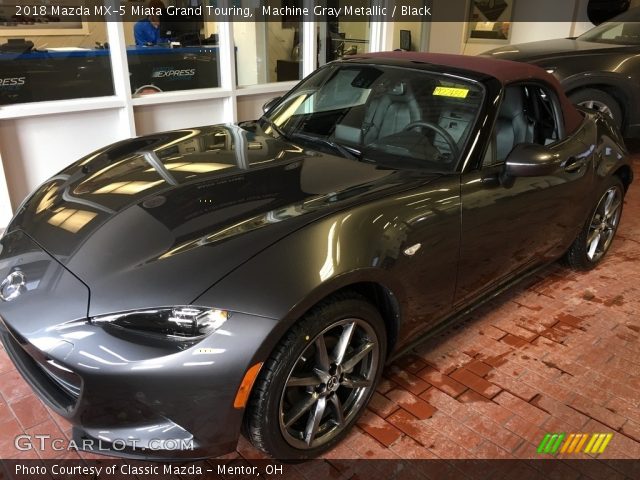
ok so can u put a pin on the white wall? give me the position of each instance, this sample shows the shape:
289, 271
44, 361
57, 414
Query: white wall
250, 106
35, 148
172, 116
5, 202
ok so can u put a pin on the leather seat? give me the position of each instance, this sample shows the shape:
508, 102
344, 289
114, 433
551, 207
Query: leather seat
512, 126
389, 112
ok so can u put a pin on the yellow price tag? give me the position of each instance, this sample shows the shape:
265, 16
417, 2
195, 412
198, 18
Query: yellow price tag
451, 92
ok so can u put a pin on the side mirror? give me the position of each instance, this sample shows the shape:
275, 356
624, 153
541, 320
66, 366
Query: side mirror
270, 103
530, 160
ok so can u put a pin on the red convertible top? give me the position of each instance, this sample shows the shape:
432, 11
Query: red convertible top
505, 71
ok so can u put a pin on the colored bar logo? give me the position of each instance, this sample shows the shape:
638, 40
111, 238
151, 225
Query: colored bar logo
594, 443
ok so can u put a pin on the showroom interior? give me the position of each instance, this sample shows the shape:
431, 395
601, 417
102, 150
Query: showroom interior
249, 64
558, 354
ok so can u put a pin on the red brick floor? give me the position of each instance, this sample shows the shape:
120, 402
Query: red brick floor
558, 354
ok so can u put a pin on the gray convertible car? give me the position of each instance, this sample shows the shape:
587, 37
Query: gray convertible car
168, 292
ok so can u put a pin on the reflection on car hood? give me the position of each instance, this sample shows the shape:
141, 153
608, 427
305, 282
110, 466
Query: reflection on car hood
158, 219
548, 49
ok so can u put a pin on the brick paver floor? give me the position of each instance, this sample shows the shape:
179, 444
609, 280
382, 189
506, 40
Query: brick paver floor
557, 354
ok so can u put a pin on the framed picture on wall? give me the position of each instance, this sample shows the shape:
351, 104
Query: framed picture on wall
489, 21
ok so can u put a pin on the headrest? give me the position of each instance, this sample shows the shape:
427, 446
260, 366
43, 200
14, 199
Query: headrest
512, 103
398, 88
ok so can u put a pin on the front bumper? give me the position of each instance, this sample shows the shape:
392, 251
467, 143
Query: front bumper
134, 398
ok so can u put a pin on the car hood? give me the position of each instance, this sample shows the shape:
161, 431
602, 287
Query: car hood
158, 219
551, 49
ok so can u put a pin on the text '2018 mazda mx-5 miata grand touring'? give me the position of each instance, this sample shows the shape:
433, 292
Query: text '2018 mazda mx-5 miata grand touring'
172, 291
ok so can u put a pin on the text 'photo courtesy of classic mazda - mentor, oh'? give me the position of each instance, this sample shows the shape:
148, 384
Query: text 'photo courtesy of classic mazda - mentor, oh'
189, 286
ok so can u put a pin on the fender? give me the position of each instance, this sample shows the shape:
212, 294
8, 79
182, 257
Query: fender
321, 259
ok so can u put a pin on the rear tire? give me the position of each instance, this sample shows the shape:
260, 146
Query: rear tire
318, 380
599, 100
596, 236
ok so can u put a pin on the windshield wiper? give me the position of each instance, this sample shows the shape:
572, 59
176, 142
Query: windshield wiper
274, 127
344, 151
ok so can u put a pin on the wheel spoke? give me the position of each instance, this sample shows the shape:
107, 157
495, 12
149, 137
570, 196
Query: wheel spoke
322, 357
605, 239
299, 409
357, 356
354, 381
308, 381
613, 209
343, 343
314, 421
323, 375
593, 245
593, 235
608, 201
337, 409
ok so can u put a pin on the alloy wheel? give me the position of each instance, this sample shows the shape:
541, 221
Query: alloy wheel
329, 384
598, 106
604, 224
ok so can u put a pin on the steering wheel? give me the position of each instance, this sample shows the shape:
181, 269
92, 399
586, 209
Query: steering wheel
440, 131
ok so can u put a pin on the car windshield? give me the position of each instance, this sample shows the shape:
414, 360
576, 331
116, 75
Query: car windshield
619, 33
621, 30
394, 117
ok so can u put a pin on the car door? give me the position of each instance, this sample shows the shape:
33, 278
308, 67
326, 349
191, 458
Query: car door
424, 242
510, 224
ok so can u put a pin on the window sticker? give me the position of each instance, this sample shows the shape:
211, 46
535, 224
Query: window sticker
451, 92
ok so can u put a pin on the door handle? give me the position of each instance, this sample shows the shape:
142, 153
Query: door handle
573, 164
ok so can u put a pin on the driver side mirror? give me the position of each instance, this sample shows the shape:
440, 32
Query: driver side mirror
270, 103
530, 160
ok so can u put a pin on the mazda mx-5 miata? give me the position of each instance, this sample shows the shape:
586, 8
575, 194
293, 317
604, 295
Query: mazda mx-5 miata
168, 292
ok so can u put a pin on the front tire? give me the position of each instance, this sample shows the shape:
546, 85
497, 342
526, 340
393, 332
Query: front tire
318, 380
595, 238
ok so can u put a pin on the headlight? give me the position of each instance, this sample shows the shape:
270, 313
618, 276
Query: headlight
180, 323
551, 70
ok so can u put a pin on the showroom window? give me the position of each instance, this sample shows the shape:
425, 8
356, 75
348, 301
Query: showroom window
48, 57
166, 53
408, 36
341, 35
268, 51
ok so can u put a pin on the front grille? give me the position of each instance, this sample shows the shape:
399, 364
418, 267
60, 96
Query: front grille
59, 390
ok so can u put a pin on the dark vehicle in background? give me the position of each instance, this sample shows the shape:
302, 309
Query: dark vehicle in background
167, 292
599, 69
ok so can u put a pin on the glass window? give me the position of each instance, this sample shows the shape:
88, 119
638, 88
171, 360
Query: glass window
407, 36
340, 36
396, 117
51, 57
527, 114
168, 52
268, 51
619, 33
